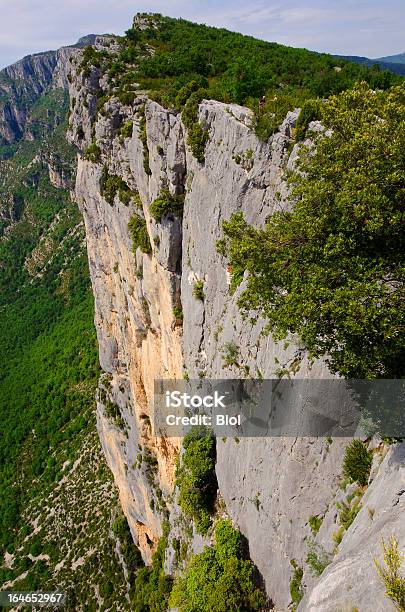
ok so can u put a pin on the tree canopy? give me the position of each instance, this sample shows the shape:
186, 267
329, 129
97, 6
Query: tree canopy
226, 66
331, 270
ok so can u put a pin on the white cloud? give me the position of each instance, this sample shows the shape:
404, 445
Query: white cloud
264, 13
366, 27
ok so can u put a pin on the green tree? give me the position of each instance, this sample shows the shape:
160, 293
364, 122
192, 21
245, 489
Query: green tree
332, 269
196, 477
218, 579
357, 462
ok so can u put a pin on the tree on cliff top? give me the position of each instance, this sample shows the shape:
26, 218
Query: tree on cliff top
332, 270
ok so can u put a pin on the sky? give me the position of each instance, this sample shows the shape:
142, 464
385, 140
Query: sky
372, 28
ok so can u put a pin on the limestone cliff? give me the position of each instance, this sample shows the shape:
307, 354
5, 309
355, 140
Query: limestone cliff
22, 83
270, 487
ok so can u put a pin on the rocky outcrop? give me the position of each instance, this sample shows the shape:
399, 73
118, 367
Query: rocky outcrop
22, 83
137, 331
270, 487
351, 582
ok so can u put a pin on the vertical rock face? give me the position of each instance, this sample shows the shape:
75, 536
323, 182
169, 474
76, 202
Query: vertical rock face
270, 487
351, 580
135, 296
22, 83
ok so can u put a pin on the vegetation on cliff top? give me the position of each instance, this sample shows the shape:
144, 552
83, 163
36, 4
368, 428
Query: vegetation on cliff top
229, 63
332, 269
224, 66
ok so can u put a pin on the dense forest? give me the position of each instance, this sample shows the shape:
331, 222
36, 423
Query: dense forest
52, 470
225, 66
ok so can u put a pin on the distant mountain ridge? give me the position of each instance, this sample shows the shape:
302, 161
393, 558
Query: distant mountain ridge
386, 63
393, 59
22, 83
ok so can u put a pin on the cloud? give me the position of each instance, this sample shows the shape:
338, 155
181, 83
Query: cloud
286, 16
264, 13
366, 27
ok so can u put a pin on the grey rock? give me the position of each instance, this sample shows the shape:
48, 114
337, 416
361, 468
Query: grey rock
24, 82
351, 580
270, 486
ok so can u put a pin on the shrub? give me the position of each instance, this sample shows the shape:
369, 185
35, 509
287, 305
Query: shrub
296, 590
309, 112
139, 234
269, 117
228, 540
315, 523
126, 129
112, 411
230, 354
35, 548
112, 184
100, 104
198, 289
185, 93
196, 477
197, 137
357, 462
218, 579
221, 247
178, 313
317, 559
92, 57
337, 536
348, 512
166, 203
137, 199
92, 152
390, 574
125, 194
126, 97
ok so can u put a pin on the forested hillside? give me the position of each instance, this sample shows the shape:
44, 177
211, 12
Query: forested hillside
222, 65
57, 499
